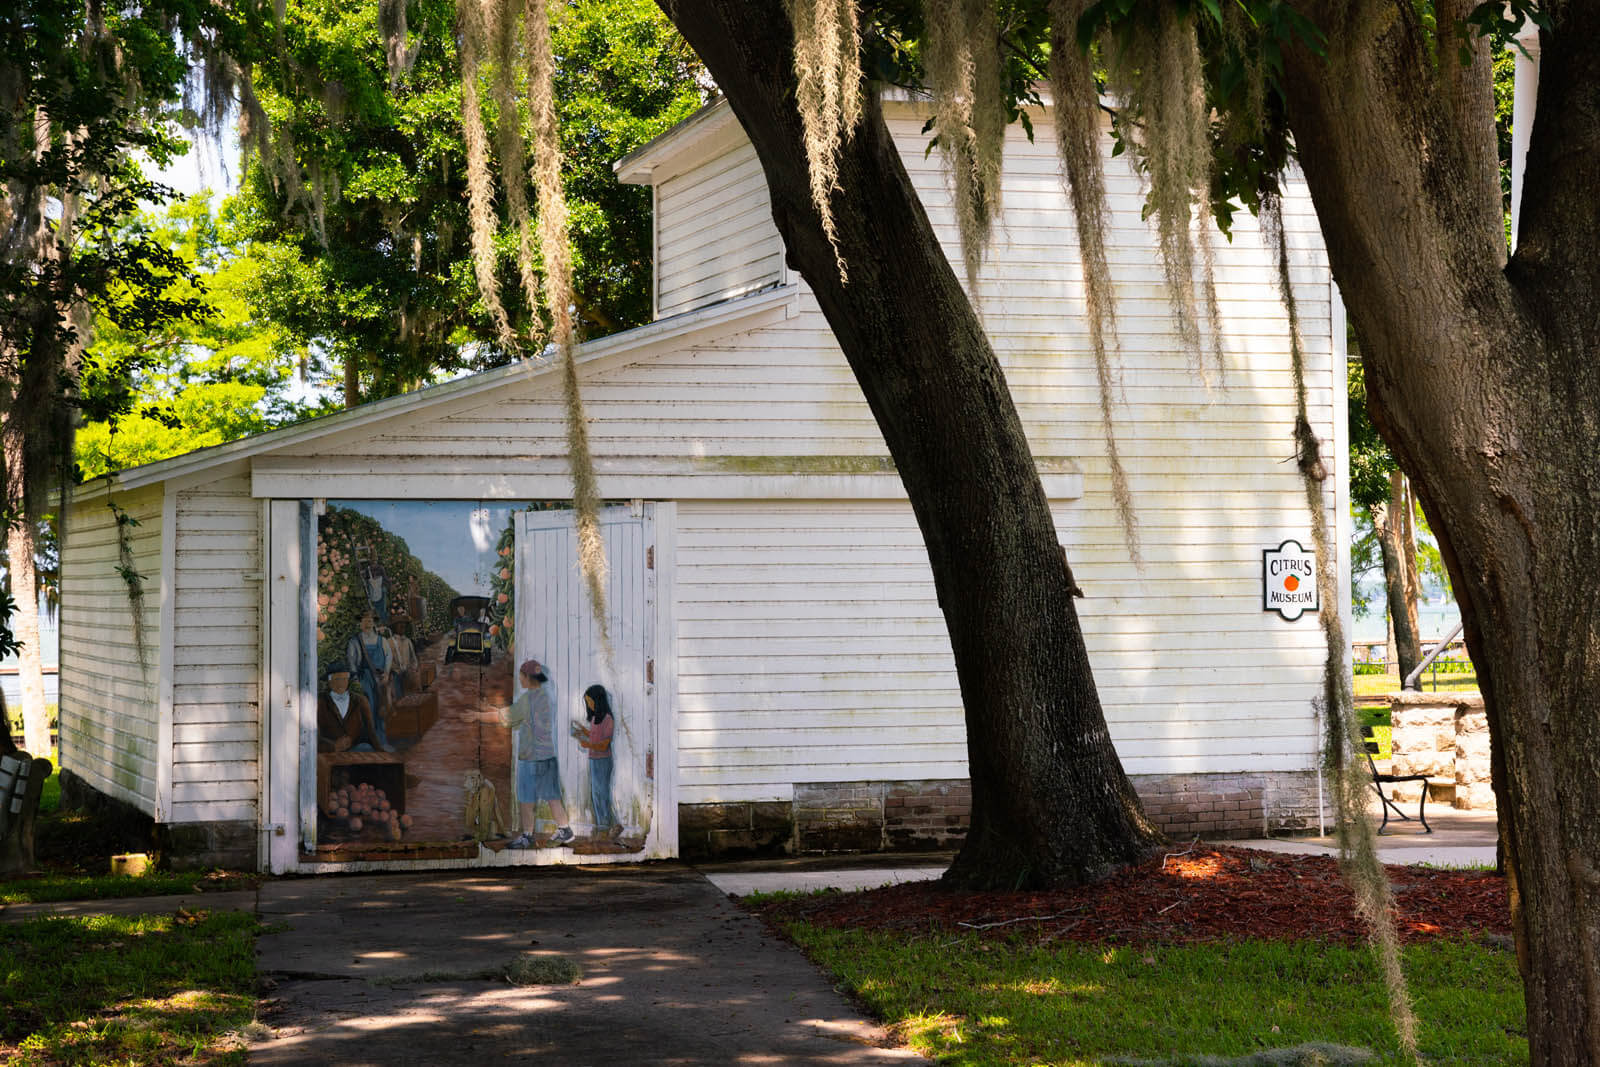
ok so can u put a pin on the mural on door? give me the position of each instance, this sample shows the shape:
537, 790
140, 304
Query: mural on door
463, 698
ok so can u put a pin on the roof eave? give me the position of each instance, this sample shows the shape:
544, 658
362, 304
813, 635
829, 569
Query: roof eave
726, 317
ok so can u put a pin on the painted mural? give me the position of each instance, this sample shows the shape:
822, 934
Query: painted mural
463, 700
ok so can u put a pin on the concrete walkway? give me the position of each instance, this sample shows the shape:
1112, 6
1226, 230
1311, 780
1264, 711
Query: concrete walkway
389, 969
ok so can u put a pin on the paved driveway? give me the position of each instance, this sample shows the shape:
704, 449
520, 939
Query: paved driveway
382, 969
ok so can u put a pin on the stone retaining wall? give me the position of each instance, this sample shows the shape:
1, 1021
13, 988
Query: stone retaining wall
1445, 736
869, 816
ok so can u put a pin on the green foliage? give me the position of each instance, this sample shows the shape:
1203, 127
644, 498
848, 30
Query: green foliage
974, 1001
127, 989
503, 588
1370, 460
375, 269
52, 887
214, 376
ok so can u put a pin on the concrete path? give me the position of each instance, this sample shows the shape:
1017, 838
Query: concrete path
384, 970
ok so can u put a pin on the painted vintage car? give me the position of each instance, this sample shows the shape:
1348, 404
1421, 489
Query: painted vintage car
469, 632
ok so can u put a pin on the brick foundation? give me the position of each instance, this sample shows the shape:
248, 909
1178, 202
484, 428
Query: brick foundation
928, 815
1220, 806
744, 828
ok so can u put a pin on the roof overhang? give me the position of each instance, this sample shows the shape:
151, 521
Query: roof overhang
739, 315
711, 130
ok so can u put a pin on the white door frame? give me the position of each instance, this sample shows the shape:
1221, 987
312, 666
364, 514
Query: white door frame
288, 721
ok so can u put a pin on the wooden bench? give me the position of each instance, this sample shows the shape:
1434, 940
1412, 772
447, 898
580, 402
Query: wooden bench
1379, 779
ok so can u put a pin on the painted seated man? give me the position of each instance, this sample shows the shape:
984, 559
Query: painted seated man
344, 719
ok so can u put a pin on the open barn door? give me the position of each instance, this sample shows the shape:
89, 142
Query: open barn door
611, 794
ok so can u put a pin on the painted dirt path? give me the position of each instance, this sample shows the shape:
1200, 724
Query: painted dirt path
460, 741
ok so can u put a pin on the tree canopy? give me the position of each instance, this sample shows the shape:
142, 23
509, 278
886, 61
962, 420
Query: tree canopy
355, 203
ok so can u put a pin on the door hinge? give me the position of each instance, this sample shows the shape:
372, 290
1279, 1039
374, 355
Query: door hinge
650, 671
650, 558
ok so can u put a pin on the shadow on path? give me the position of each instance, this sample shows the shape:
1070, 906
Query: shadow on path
377, 969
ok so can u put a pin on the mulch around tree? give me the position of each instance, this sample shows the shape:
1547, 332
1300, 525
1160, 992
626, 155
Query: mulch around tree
1209, 893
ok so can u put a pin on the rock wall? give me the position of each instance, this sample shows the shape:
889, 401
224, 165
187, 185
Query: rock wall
1445, 736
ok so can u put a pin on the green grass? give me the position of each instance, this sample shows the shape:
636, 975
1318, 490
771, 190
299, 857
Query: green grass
1370, 685
50, 795
970, 1001
142, 989
49, 887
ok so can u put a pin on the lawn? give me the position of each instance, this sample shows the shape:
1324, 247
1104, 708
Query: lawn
967, 1000
57, 886
148, 989
1371, 685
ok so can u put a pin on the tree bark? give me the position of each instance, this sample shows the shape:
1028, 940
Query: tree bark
1483, 380
1050, 802
25, 628
352, 381
1399, 582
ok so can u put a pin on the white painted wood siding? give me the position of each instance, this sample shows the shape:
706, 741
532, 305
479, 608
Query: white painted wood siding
216, 701
714, 233
810, 647
108, 699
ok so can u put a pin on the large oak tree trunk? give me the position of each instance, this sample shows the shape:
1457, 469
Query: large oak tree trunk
1484, 380
1399, 567
1050, 802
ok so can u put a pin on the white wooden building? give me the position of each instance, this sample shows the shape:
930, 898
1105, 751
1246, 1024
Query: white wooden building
790, 681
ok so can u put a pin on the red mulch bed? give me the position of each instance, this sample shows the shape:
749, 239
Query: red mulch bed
1207, 894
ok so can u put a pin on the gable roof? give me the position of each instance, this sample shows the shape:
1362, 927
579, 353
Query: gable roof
738, 315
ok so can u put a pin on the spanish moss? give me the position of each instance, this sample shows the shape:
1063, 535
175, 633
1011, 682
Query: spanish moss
474, 18
1077, 124
827, 66
964, 69
398, 49
1358, 854
1167, 123
553, 246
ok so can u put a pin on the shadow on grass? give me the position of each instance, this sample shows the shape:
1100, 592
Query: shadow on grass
969, 1000
139, 989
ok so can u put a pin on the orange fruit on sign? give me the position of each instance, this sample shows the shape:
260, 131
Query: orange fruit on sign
1291, 583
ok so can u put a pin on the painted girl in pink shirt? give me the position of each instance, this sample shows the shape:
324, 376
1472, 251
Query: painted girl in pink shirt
596, 738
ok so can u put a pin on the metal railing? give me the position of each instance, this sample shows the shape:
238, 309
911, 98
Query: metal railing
1413, 680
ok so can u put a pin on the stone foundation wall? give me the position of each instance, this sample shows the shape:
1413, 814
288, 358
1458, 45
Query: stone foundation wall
178, 846
199, 846
746, 828
932, 815
1445, 736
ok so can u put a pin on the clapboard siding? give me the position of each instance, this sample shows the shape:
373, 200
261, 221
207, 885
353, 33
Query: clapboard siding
861, 684
216, 732
717, 221
787, 390
809, 644
109, 699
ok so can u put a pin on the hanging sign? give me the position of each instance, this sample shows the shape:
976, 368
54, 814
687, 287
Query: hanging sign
1289, 580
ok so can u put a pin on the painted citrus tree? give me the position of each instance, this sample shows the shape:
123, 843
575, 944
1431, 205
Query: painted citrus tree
347, 540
